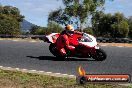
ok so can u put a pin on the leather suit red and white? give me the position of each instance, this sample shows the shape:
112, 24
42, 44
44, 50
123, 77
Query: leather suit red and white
66, 40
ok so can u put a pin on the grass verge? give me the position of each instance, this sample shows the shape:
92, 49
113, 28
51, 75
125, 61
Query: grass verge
17, 79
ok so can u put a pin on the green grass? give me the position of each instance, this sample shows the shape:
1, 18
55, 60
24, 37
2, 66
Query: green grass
16, 79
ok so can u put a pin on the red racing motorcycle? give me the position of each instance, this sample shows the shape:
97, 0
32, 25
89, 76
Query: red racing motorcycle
87, 48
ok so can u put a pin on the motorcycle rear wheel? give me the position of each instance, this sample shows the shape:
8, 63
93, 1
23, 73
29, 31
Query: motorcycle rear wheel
53, 49
55, 52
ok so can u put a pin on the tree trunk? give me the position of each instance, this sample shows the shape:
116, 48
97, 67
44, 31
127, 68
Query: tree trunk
81, 28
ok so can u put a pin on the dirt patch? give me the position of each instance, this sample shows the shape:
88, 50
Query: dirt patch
117, 44
20, 39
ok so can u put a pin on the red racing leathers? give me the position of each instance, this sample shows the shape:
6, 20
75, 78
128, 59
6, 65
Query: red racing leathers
73, 40
68, 41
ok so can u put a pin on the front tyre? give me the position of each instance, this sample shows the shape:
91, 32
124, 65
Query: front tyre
100, 55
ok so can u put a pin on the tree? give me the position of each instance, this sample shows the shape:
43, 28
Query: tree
79, 10
98, 23
9, 25
34, 30
10, 19
120, 26
37, 30
130, 26
88, 30
120, 29
12, 12
54, 27
108, 25
42, 31
101, 24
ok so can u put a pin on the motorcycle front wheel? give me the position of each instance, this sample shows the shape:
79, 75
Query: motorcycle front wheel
100, 55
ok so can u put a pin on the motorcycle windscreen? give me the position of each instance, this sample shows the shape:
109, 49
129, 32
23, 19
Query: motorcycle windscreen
85, 38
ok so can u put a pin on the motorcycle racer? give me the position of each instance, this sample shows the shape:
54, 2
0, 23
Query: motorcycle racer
68, 40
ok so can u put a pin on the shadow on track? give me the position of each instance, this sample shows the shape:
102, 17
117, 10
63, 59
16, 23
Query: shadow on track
57, 59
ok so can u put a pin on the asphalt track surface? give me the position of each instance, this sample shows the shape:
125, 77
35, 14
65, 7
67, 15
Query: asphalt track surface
36, 56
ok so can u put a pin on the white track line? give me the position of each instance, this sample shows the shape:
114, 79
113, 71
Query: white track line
24, 69
9, 67
120, 46
72, 75
103, 45
1, 66
41, 71
15, 40
58, 73
33, 70
38, 72
17, 68
32, 41
49, 72
64, 74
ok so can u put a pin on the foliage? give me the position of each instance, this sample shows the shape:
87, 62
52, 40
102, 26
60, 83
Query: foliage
34, 29
88, 30
52, 27
9, 25
79, 10
130, 26
120, 29
58, 16
12, 12
37, 30
10, 19
108, 25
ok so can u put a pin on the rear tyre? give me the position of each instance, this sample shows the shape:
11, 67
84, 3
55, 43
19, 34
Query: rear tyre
55, 52
53, 49
100, 55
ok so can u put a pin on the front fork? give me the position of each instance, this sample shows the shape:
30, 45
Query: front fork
93, 50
